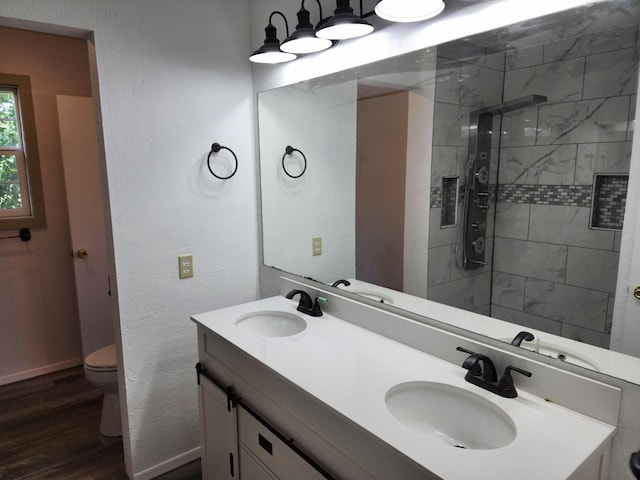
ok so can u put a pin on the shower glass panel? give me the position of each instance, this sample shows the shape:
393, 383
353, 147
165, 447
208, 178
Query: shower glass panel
538, 174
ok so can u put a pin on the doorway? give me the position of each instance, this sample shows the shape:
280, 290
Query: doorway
40, 323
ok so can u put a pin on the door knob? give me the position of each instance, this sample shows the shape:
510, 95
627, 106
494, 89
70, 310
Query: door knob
82, 253
636, 292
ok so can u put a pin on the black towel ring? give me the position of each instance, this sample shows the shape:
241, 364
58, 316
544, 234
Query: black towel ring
215, 148
288, 151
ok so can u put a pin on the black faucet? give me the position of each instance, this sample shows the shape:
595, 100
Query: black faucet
526, 336
337, 283
485, 376
472, 363
306, 305
634, 463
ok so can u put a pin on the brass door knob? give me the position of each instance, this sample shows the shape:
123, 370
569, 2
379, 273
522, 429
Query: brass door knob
82, 253
636, 292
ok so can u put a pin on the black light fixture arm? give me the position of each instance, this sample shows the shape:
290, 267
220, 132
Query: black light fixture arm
286, 24
319, 8
368, 14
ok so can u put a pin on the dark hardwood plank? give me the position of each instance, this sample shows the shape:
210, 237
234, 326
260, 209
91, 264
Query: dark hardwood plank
49, 429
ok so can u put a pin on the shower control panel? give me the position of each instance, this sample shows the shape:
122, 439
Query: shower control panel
477, 197
473, 236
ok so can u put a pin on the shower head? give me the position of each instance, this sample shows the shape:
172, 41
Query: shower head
515, 104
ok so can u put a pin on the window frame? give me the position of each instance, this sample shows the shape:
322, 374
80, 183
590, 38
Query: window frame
27, 157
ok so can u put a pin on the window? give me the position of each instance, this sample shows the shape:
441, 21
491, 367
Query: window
21, 201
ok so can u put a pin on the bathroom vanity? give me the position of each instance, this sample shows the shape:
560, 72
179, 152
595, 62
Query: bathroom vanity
286, 395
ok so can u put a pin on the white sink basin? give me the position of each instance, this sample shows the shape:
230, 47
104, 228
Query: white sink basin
453, 415
558, 351
272, 323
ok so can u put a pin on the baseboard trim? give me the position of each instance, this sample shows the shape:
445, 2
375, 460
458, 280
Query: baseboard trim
36, 372
168, 465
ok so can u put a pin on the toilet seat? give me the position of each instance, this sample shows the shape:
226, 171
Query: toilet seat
102, 360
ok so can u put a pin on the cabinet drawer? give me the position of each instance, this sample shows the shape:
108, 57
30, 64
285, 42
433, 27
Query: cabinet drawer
276, 455
251, 468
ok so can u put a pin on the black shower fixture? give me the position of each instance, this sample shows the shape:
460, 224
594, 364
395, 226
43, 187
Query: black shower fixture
472, 235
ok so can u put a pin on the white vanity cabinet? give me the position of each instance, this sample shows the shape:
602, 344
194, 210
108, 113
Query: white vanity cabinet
262, 451
237, 444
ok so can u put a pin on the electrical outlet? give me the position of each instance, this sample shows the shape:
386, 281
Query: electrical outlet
316, 246
185, 266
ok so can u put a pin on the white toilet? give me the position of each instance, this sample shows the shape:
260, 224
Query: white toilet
101, 370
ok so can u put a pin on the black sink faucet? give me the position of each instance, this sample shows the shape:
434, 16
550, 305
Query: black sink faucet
306, 305
337, 283
472, 363
526, 336
485, 376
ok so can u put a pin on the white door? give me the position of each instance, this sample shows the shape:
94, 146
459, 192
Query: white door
625, 334
626, 337
86, 219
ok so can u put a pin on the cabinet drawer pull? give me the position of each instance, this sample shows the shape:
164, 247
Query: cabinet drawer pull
266, 444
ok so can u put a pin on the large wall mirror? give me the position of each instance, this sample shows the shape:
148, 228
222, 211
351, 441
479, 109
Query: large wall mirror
489, 174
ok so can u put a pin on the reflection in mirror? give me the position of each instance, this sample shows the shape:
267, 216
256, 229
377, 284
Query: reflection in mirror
488, 174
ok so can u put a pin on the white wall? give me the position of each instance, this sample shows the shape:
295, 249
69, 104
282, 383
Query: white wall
296, 206
173, 78
416, 222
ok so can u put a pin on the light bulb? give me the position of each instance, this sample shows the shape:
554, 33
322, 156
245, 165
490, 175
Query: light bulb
408, 10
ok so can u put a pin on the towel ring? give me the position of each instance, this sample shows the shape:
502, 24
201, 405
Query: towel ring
288, 151
215, 148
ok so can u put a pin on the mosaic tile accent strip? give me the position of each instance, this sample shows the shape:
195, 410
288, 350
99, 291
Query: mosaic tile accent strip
436, 196
566, 195
435, 200
609, 201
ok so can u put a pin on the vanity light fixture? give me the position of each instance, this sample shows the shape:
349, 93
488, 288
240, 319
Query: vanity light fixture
344, 24
408, 10
304, 39
270, 51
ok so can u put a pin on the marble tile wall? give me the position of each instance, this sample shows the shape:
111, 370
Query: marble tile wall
550, 270
462, 86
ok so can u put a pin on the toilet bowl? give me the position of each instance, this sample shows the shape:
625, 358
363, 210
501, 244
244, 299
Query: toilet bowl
101, 370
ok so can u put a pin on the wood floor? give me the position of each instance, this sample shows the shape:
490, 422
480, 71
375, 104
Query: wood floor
49, 430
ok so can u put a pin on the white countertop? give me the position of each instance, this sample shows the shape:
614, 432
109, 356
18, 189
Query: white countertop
350, 369
595, 358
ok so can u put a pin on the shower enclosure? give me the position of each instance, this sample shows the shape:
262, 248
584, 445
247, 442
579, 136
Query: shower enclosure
530, 160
